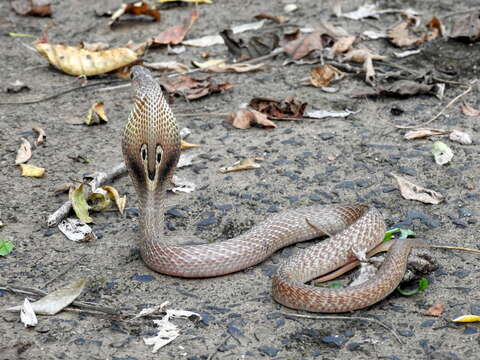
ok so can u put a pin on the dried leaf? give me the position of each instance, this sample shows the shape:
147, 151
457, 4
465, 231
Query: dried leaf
374, 35
234, 68
76, 230
74, 61
303, 46
289, 8
400, 88
256, 46
208, 63
364, 11
290, 107
469, 111
192, 88
32, 171
407, 53
186, 145
98, 200
168, 66
185, 160
182, 185
323, 75
411, 191
24, 152
467, 318
320, 114
32, 7
441, 153
436, 310
41, 136
245, 119
16, 87
98, 46
139, 48
436, 29
422, 133
278, 19
96, 114
137, 8
460, 137
175, 34
366, 57
245, 164
113, 194
79, 204
27, 315
466, 27
54, 302
342, 45
401, 34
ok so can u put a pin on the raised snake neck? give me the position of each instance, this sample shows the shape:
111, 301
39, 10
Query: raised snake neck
151, 148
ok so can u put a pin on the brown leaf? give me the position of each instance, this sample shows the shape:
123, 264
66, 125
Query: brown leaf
278, 19
291, 107
168, 66
139, 48
411, 191
255, 47
245, 119
245, 164
96, 114
324, 75
436, 29
400, 88
136, 8
304, 45
192, 88
24, 153
422, 133
460, 137
469, 111
235, 68
401, 34
32, 7
74, 61
175, 34
41, 136
466, 27
342, 45
436, 310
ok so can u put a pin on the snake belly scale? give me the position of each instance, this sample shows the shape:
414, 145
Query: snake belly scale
151, 148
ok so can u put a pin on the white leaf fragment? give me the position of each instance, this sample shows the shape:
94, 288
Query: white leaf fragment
411, 191
184, 132
76, 230
404, 54
185, 160
182, 185
374, 35
460, 137
27, 315
152, 310
441, 153
364, 11
320, 114
55, 301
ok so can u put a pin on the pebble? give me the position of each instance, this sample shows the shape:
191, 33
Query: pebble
273, 209
475, 309
143, 278
226, 347
218, 309
208, 221
268, 270
232, 330
427, 323
469, 330
326, 136
50, 232
176, 213
354, 346
334, 341
268, 350
406, 333
314, 197
363, 183
462, 212
388, 188
131, 212
408, 171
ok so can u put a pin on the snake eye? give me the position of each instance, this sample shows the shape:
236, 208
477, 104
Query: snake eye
144, 153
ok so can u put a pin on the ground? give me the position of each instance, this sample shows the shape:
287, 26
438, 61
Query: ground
332, 160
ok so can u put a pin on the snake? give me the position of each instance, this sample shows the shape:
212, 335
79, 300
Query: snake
151, 147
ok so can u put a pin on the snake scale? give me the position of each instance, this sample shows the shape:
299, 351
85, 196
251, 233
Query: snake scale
151, 149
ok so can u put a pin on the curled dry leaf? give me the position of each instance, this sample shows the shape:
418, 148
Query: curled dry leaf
54, 302
401, 34
32, 7
186, 145
137, 8
245, 164
41, 137
76, 230
96, 114
411, 191
441, 153
16, 87
168, 66
366, 57
74, 61
256, 46
469, 111
466, 27
342, 45
139, 48
290, 107
182, 185
191, 88
404, 54
175, 34
364, 11
24, 152
422, 133
234, 68
304, 45
467, 318
323, 75
245, 119
208, 63
27, 315
98, 46
98, 200
436, 29
278, 19
79, 204
460, 137
32, 171
113, 194
436, 310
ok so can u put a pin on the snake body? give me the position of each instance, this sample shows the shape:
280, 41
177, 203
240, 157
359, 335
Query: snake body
151, 148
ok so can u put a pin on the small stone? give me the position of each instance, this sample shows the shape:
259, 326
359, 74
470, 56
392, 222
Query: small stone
363, 183
176, 213
232, 330
268, 350
273, 209
143, 278
408, 171
388, 188
469, 330
268, 270
406, 333
208, 221
314, 197
326, 136
131, 212
334, 341
465, 212
354, 346
206, 317
475, 309
427, 323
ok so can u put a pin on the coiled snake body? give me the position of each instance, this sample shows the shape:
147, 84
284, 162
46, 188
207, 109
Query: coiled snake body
151, 148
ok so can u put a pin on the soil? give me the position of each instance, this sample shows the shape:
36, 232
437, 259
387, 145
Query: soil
332, 160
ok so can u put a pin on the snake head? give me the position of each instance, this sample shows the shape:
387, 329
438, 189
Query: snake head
151, 141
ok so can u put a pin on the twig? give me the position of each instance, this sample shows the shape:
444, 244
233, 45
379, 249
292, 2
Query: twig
347, 318
37, 292
101, 178
202, 114
441, 111
67, 269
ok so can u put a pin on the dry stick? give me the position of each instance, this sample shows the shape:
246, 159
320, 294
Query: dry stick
37, 292
337, 317
67, 269
103, 178
441, 111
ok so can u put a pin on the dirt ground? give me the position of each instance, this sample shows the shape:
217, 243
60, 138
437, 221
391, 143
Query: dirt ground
332, 160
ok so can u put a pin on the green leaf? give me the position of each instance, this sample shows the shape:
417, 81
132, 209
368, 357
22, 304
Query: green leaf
335, 285
12, 34
404, 233
6, 247
422, 286
80, 205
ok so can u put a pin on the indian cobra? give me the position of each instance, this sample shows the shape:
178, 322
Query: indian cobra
151, 148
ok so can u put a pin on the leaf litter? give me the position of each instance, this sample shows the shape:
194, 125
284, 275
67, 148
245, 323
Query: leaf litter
412, 191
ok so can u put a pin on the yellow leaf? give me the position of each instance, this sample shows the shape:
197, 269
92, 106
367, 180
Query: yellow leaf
187, 145
79, 204
211, 62
98, 200
32, 171
96, 114
467, 318
245, 164
113, 194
